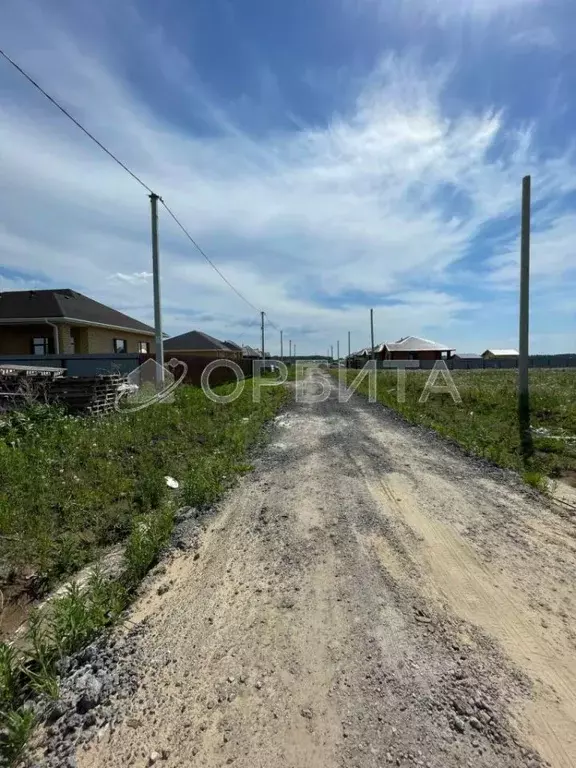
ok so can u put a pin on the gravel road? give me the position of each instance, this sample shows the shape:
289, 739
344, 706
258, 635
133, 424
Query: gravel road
368, 596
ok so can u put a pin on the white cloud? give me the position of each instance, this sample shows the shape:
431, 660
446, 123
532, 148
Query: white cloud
538, 37
360, 204
137, 278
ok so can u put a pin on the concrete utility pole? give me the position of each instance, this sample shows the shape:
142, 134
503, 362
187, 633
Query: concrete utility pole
523, 348
282, 345
338, 350
290, 350
349, 353
262, 326
157, 298
332, 352
372, 330
294, 353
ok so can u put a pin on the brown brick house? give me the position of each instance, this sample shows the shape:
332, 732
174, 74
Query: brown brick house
199, 343
63, 321
413, 348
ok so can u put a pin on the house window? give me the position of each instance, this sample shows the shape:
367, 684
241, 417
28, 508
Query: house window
144, 347
40, 345
119, 346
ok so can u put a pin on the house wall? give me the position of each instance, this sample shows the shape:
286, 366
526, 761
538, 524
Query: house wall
17, 339
212, 354
101, 340
423, 355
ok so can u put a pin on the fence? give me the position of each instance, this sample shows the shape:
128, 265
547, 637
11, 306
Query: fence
196, 364
77, 365
455, 363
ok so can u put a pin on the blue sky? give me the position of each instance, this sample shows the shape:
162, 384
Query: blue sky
329, 155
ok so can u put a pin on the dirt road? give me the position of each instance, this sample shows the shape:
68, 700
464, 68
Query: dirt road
367, 596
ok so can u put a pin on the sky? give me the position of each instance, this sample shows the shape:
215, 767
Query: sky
330, 156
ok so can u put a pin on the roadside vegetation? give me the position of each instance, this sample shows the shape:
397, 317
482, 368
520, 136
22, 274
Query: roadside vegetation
72, 486
486, 421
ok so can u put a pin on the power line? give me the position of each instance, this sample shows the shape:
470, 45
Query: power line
214, 267
132, 174
79, 125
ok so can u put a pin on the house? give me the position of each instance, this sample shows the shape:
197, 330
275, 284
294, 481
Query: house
249, 353
412, 348
235, 349
63, 321
498, 354
198, 343
467, 356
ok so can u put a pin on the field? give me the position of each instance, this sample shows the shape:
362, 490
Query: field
486, 421
71, 486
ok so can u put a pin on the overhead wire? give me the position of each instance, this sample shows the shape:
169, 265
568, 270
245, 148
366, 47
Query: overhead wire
132, 174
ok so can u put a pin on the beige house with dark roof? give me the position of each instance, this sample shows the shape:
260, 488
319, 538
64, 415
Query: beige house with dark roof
63, 321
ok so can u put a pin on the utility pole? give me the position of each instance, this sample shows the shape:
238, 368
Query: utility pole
523, 348
372, 330
294, 353
349, 353
338, 350
262, 327
282, 346
332, 352
290, 350
157, 297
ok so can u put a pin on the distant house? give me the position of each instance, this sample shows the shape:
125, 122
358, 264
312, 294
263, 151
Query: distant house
249, 353
499, 354
63, 321
198, 343
412, 348
235, 349
467, 356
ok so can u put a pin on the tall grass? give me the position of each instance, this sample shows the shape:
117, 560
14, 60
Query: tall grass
71, 486
486, 421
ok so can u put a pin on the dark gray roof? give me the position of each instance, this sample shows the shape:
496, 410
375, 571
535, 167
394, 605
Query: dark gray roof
195, 340
232, 345
60, 304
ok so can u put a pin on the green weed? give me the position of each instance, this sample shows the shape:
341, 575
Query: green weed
486, 421
17, 726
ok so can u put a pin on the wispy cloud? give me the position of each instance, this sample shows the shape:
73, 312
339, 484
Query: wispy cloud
385, 196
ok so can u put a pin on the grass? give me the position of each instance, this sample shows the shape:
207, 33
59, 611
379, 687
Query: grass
485, 423
70, 487
120, 493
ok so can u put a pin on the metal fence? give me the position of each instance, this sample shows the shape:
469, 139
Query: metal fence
474, 364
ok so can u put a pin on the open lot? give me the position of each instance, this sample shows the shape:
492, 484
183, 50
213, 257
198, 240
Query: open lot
486, 421
72, 486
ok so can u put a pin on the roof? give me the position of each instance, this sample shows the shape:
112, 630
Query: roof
502, 352
468, 355
232, 345
414, 344
251, 352
195, 340
64, 304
